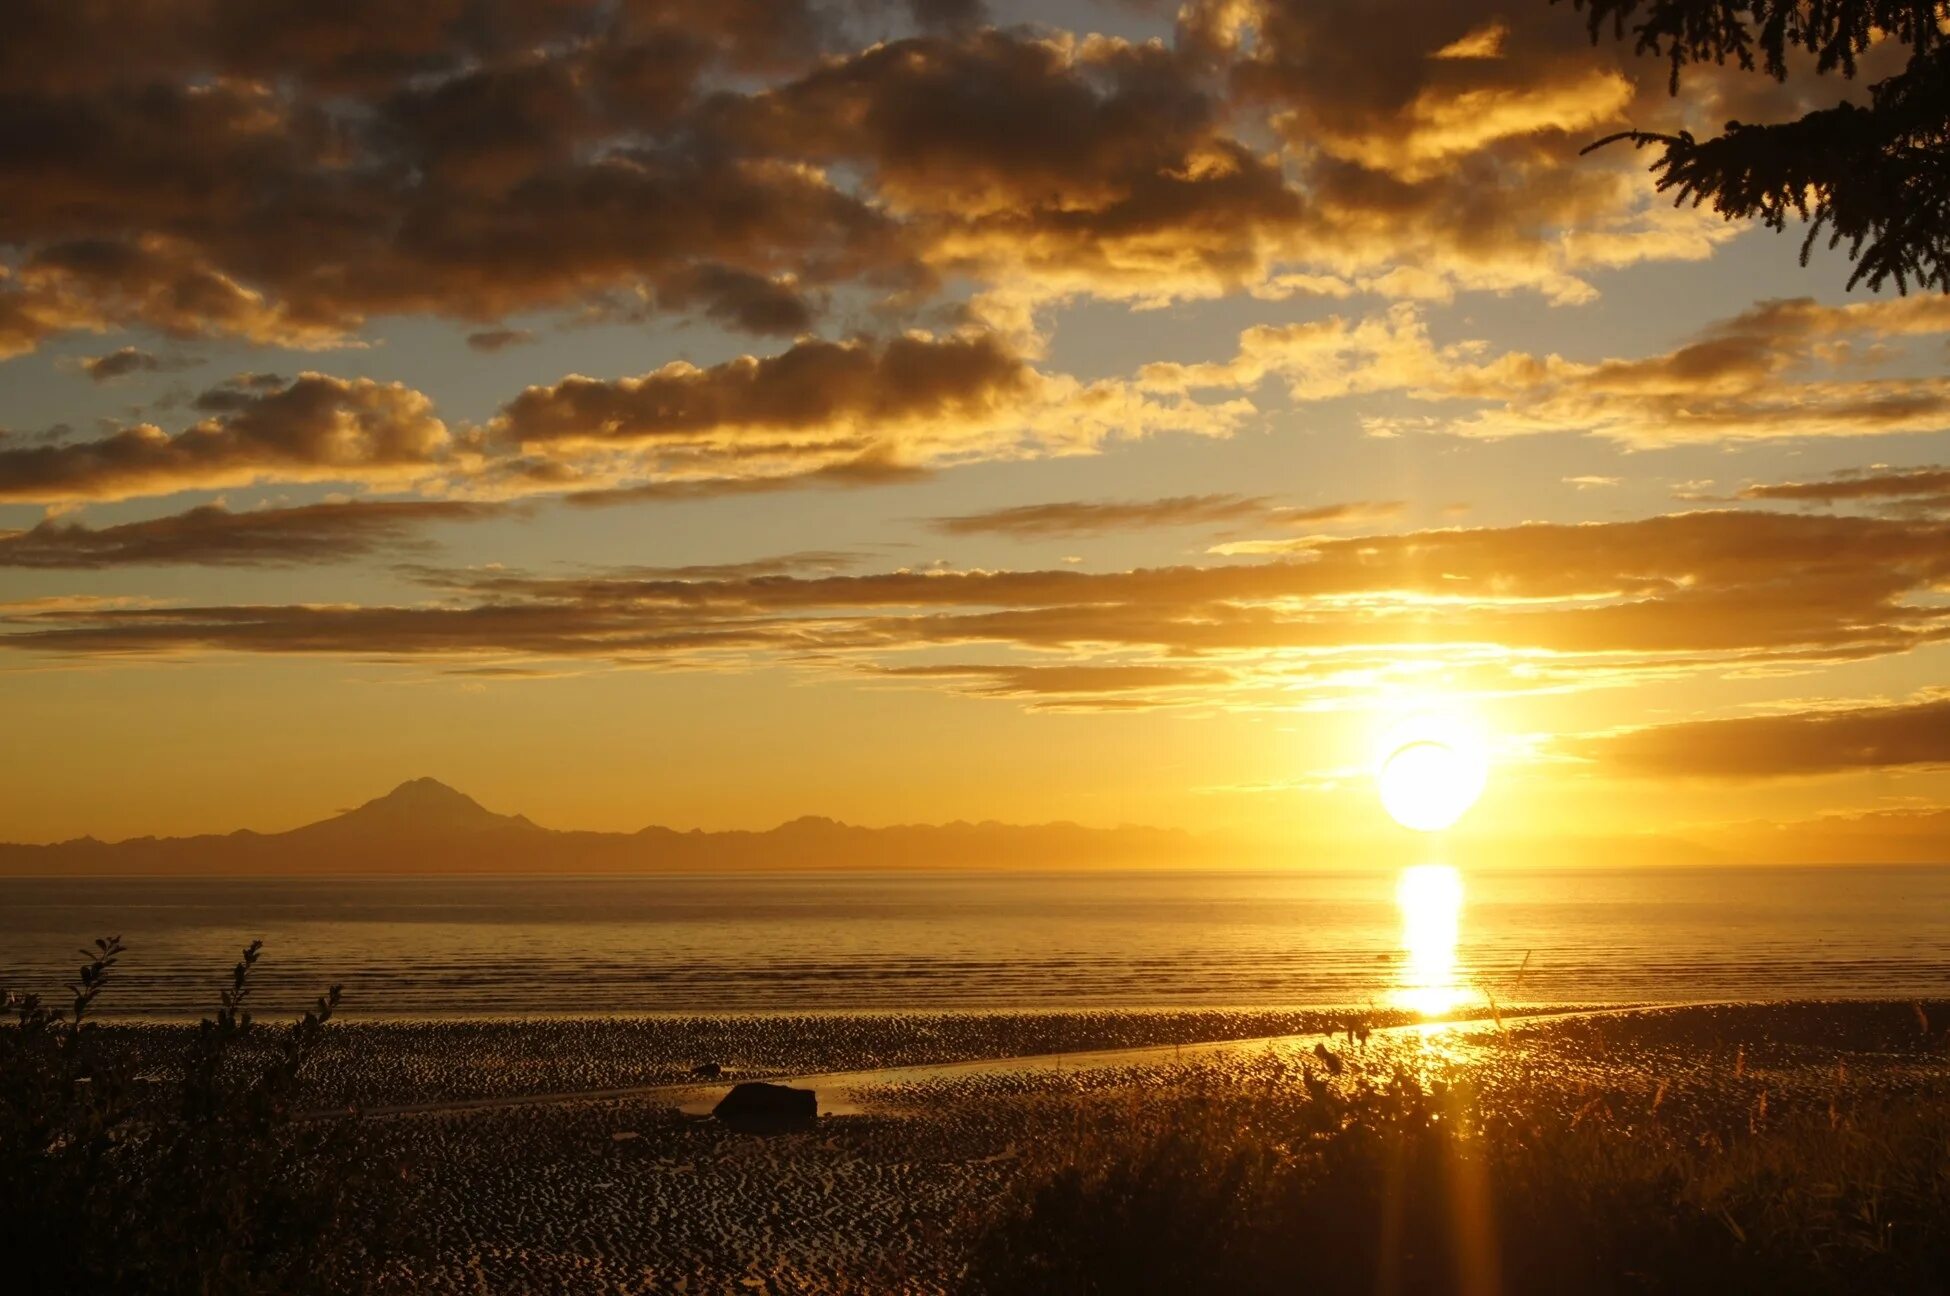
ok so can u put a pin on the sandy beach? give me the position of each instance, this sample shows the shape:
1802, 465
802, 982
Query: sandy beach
526, 1169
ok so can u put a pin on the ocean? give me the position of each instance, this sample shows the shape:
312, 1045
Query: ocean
1428, 938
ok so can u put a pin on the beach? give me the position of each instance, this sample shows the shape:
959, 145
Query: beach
574, 1154
1241, 1082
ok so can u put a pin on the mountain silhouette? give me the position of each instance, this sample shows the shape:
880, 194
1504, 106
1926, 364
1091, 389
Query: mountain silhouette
420, 806
425, 826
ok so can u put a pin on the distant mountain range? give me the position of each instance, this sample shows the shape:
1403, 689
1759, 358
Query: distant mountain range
424, 826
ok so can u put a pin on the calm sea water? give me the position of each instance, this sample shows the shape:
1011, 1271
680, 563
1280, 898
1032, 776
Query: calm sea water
423, 946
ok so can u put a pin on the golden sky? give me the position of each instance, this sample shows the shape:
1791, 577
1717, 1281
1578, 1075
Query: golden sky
708, 413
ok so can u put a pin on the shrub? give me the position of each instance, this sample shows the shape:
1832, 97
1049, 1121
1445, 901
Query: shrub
199, 1179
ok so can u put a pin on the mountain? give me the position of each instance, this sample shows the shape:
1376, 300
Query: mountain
420, 807
424, 826
1896, 836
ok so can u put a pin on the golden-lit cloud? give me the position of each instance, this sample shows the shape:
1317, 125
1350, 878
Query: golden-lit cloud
286, 176
1834, 739
830, 388
312, 428
1514, 608
849, 413
1784, 368
822, 412
212, 535
1062, 518
1919, 491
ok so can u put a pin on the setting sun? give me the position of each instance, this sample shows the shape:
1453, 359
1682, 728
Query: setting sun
1431, 771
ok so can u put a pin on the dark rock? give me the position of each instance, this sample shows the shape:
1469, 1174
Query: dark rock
757, 1105
707, 1070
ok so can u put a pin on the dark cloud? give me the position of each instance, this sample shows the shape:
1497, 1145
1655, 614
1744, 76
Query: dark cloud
800, 562
211, 535
870, 468
1094, 517
820, 413
813, 384
314, 428
1095, 162
284, 173
471, 161
1858, 485
739, 299
1834, 740
123, 360
1907, 491
499, 339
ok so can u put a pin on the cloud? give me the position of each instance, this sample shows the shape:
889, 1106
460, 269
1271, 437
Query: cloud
873, 467
826, 386
499, 339
1064, 518
857, 412
1084, 517
1537, 606
288, 174
1832, 740
212, 535
285, 176
123, 360
740, 299
1443, 137
313, 428
1907, 491
1783, 368
1073, 687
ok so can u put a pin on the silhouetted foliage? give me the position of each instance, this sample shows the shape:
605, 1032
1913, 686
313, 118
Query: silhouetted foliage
1876, 177
1407, 1186
195, 1179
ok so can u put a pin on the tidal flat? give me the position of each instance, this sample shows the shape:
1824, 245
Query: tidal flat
1057, 1151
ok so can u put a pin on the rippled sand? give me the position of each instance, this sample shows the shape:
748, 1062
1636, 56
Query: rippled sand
633, 1194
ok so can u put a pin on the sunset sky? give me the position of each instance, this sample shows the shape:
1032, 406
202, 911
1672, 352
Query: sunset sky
706, 412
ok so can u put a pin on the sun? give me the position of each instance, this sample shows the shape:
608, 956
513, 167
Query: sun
1431, 770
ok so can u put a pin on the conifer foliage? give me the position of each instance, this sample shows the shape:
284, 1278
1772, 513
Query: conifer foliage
1874, 176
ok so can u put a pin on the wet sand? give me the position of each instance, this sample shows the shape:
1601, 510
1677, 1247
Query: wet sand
393, 1064
519, 1179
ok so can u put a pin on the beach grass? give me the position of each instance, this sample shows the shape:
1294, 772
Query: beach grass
1413, 1185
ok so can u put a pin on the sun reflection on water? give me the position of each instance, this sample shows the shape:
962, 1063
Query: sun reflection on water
1430, 897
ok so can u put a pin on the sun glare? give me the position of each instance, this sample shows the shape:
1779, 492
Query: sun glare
1430, 897
1431, 770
